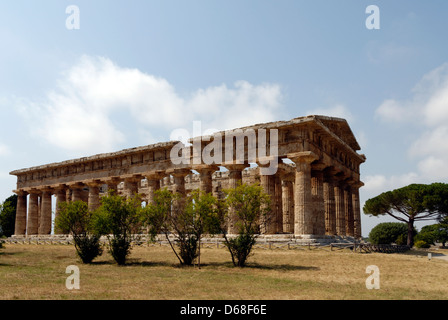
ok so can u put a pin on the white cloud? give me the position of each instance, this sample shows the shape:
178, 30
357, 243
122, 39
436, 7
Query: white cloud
4, 150
376, 184
97, 103
426, 112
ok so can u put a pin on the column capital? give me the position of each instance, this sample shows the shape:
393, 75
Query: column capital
205, 167
155, 175
133, 178
178, 172
236, 167
355, 183
319, 166
20, 192
303, 157
94, 183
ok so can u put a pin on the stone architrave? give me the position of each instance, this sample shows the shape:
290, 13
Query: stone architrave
303, 204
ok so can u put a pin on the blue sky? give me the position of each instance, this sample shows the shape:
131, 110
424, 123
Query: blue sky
137, 70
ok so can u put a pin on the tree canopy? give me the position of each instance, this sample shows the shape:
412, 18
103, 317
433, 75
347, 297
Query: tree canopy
415, 202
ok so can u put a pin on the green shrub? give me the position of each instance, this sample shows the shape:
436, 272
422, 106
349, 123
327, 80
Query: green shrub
388, 233
421, 244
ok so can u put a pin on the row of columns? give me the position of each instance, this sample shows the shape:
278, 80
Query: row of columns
312, 200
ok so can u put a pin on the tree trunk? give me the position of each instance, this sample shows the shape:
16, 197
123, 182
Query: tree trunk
410, 242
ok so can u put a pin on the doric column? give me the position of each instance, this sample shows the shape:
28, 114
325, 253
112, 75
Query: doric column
45, 214
112, 184
94, 195
349, 222
77, 191
356, 208
303, 204
235, 179
317, 191
131, 186
329, 201
20, 226
340, 207
61, 196
288, 205
205, 177
179, 179
278, 204
32, 226
269, 223
153, 179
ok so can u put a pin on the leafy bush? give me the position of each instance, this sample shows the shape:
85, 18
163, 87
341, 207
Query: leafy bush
388, 233
76, 219
120, 220
421, 244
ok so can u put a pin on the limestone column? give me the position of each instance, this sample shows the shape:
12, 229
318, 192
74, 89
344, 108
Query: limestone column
61, 196
112, 184
329, 201
20, 225
131, 186
269, 223
234, 180
317, 191
77, 192
32, 226
153, 179
340, 207
179, 179
45, 215
205, 177
94, 195
288, 206
349, 222
356, 209
303, 204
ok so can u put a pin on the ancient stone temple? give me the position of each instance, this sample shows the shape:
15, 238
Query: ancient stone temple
309, 166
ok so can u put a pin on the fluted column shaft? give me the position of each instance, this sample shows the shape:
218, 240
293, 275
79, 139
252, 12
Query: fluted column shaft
45, 215
303, 204
235, 179
329, 202
340, 208
349, 222
20, 225
32, 226
288, 206
318, 202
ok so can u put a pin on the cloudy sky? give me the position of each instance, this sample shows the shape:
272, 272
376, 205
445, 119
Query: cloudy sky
134, 71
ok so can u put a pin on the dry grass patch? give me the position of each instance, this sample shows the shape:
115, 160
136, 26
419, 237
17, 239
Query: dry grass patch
38, 272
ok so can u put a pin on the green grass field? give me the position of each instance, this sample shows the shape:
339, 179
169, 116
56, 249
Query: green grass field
38, 272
